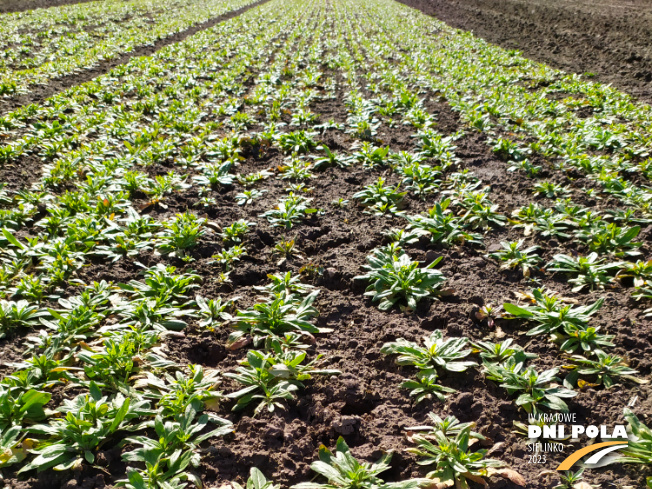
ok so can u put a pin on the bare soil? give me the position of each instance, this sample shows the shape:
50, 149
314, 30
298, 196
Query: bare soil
7, 6
608, 38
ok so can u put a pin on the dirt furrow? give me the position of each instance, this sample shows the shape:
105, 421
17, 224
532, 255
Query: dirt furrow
9, 6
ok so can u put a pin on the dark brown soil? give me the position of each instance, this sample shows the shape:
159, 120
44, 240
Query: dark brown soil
7, 6
18, 175
608, 38
38, 94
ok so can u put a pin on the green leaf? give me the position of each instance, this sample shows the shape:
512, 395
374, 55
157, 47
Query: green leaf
88, 455
517, 311
11, 238
95, 391
630, 234
120, 415
257, 478
555, 403
33, 398
137, 480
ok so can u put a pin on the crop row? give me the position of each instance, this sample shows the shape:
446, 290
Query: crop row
75, 345
44, 44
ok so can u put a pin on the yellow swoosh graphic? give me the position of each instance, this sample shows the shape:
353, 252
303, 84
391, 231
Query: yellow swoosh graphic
575, 456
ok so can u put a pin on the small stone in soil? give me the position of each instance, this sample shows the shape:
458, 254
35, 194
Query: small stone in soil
346, 425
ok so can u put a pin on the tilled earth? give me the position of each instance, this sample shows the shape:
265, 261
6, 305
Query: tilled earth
610, 39
7, 6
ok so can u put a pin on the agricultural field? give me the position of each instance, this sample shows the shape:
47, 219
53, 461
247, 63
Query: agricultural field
608, 41
318, 244
46, 50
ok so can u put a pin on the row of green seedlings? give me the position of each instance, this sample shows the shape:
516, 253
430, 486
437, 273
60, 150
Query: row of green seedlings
179, 236
593, 366
35, 269
298, 170
395, 279
158, 187
59, 257
447, 444
453, 438
31, 43
86, 219
279, 91
43, 44
122, 357
297, 92
393, 197
372, 292
551, 190
382, 289
604, 237
457, 437
280, 326
186, 228
126, 104
285, 92
605, 241
478, 212
109, 346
